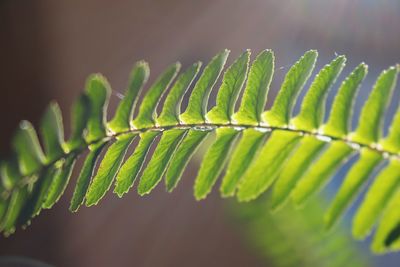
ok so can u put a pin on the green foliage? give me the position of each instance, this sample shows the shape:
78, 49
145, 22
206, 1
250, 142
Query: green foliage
295, 237
294, 154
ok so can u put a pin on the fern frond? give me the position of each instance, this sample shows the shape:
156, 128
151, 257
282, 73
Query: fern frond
298, 152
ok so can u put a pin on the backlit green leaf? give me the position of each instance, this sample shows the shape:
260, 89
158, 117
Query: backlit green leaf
79, 118
242, 156
124, 113
214, 161
130, 169
197, 106
321, 170
270, 160
357, 176
27, 148
376, 199
309, 149
60, 182
85, 176
172, 105
155, 169
182, 156
313, 105
371, 119
98, 91
229, 91
256, 91
340, 116
297, 76
387, 233
108, 169
147, 109
52, 132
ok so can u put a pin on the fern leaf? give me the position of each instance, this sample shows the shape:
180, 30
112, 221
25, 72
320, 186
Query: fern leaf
384, 186
355, 179
123, 116
297, 165
147, 110
228, 93
387, 235
214, 161
257, 87
172, 105
298, 153
52, 132
154, 171
244, 153
85, 176
27, 148
130, 169
197, 106
98, 91
313, 106
182, 156
280, 113
316, 177
263, 171
371, 118
79, 119
340, 116
108, 169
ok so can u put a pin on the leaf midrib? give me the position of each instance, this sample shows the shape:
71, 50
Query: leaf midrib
357, 146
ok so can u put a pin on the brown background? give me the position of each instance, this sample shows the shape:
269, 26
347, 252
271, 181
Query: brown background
47, 49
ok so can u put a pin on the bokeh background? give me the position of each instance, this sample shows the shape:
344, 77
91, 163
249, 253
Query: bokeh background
48, 48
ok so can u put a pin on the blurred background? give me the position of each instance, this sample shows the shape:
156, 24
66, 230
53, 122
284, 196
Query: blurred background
48, 48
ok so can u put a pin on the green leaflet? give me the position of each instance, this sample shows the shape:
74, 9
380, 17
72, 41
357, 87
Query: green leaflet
386, 235
229, 91
15, 205
340, 116
85, 176
172, 105
197, 106
98, 91
392, 142
9, 175
263, 171
79, 117
3, 208
147, 110
52, 132
124, 113
301, 160
257, 87
156, 167
214, 161
108, 169
182, 155
357, 176
321, 170
313, 106
60, 182
27, 148
130, 169
297, 76
371, 119
383, 188
38, 195
242, 156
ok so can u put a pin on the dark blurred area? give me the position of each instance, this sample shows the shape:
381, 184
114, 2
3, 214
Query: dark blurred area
48, 48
